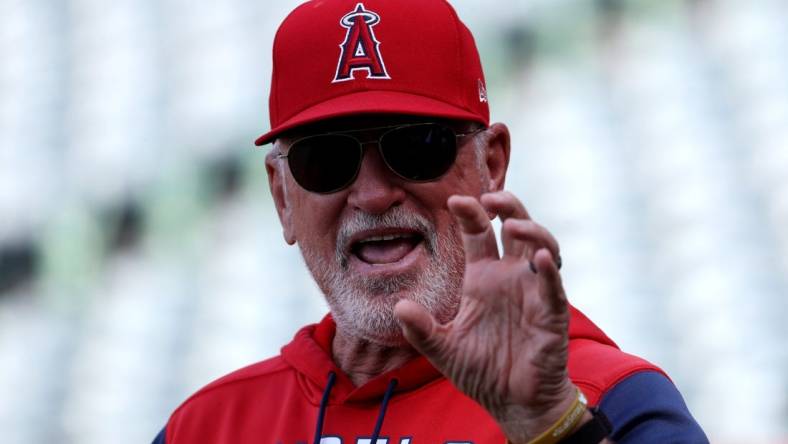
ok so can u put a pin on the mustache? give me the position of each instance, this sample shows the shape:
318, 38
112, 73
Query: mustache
396, 217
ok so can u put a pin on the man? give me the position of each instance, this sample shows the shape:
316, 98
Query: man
386, 173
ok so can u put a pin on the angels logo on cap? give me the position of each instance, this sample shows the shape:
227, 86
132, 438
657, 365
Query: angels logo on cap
360, 50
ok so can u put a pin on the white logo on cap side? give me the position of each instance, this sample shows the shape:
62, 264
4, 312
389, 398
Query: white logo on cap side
482, 92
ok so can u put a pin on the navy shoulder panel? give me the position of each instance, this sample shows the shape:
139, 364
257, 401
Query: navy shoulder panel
161, 437
647, 408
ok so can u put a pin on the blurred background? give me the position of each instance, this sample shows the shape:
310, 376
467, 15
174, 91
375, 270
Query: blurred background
140, 254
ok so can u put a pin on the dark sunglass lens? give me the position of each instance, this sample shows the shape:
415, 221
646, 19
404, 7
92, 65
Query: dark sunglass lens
420, 152
325, 163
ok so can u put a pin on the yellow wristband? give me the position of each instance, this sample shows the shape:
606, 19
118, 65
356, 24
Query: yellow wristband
565, 425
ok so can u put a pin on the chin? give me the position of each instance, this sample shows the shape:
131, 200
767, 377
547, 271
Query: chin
365, 310
374, 329
371, 317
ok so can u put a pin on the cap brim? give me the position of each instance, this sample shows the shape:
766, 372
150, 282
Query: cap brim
371, 102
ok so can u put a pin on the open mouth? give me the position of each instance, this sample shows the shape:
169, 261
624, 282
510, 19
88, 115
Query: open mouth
389, 248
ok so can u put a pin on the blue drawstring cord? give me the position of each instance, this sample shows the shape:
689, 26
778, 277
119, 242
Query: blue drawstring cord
382, 414
323, 404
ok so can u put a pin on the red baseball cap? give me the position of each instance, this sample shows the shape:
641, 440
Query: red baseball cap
335, 58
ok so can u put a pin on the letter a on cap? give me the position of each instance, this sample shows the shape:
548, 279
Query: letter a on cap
360, 50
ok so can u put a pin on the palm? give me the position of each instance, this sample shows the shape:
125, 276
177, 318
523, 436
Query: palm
507, 346
504, 341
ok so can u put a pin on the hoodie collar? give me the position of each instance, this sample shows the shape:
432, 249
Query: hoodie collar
309, 353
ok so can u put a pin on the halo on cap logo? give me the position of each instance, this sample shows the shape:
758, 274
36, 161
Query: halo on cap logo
361, 50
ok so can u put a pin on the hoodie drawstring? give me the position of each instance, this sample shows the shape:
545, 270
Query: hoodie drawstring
324, 404
383, 406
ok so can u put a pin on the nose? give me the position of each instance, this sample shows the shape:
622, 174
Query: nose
376, 189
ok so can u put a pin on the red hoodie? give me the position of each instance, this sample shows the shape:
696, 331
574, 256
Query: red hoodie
277, 401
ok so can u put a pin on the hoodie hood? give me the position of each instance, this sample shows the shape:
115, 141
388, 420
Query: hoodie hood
309, 353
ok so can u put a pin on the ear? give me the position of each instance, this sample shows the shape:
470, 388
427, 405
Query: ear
497, 156
276, 182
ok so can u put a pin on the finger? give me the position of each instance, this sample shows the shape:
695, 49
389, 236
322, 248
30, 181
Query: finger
478, 236
529, 237
505, 205
420, 329
551, 289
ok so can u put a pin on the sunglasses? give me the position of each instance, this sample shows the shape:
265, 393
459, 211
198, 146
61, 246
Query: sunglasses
329, 162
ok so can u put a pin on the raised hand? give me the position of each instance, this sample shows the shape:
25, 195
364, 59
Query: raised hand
507, 347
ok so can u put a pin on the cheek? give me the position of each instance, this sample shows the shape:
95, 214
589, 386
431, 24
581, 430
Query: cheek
463, 179
315, 218
460, 180
467, 176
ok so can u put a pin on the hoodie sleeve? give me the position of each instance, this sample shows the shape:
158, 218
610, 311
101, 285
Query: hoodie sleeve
647, 408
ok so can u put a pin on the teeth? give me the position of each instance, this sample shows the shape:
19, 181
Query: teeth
386, 238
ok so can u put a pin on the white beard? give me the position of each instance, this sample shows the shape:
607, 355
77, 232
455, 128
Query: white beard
364, 307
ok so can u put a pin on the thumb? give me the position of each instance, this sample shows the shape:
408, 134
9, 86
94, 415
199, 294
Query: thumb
420, 328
